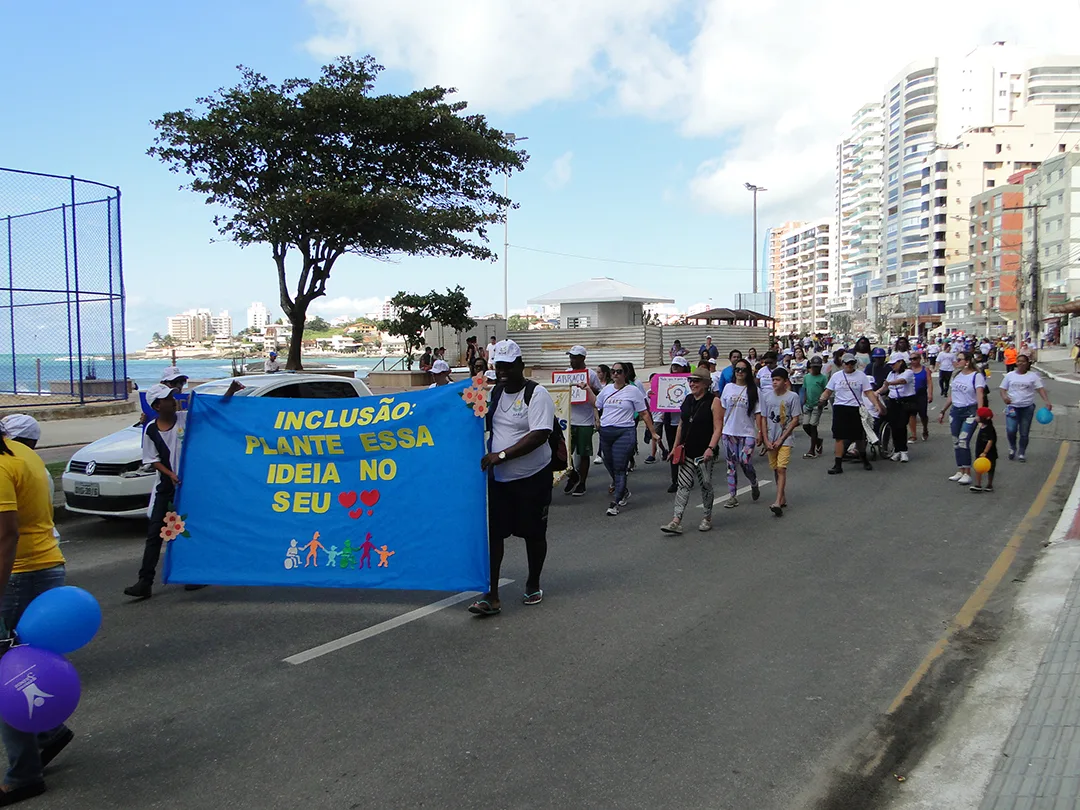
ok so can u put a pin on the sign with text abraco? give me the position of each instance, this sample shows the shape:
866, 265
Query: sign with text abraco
578, 380
333, 493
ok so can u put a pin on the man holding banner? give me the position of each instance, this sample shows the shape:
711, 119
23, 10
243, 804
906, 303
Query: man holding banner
582, 424
519, 472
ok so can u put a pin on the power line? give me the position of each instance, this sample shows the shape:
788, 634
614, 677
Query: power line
637, 264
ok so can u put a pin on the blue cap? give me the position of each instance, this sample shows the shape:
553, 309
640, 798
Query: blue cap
878, 352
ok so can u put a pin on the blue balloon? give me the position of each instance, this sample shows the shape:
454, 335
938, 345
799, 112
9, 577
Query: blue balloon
61, 620
39, 689
1044, 415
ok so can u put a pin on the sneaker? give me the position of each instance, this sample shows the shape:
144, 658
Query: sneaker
731, 502
903, 457
836, 469
1020, 457
674, 527
755, 492
579, 490
866, 465
705, 525
664, 453
53, 747
571, 482
895, 456
613, 510
650, 459
143, 589
598, 460
964, 480
956, 476
624, 498
673, 489
1012, 454
976, 489
988, 489
777, 510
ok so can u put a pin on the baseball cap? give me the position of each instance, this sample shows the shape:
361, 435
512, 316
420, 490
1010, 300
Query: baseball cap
896, 357
505, 351
708, 337
712, 361
440, 367
984, 413
156, 392
815, 361
680, 361
577, 351
878, 352
848, 358
172, 373
273, 354
21, 426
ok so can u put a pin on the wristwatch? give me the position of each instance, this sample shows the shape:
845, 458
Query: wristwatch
716, 450
502, 455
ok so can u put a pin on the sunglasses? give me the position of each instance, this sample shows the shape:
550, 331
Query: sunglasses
741, 370
618, 371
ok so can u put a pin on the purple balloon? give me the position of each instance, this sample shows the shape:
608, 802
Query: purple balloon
39, 689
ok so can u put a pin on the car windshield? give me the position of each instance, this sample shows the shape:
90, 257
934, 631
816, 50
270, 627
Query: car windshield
218, 388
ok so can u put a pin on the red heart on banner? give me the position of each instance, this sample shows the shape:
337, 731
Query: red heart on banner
356, 513
369, 497
347, 499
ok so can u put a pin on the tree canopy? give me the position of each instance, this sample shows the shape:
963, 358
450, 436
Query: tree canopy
320, 168
415, 313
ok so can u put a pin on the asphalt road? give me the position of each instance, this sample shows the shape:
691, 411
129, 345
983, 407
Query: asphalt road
730, 670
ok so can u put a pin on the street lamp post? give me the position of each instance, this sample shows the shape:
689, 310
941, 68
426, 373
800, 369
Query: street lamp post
754, 190
506, 234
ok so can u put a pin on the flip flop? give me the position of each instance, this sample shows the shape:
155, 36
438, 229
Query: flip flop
534, 598
483, 608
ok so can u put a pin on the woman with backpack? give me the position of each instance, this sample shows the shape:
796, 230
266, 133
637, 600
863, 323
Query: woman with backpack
618, 402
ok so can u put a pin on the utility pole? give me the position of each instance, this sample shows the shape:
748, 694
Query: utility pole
754, 190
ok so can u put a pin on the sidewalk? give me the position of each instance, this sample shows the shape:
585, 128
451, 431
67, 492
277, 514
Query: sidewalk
1013, 742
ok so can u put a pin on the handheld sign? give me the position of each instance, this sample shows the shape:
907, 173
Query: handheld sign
577, 379
667, 392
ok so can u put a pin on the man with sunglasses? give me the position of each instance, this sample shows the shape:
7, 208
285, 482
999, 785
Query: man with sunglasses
849, 386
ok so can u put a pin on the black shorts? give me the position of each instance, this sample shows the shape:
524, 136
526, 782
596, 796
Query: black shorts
520, 507
921, 403
847, 423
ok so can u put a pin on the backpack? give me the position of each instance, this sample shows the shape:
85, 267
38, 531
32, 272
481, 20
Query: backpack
556, 439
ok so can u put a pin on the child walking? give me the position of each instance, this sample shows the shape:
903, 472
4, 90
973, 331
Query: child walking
985, 447
814, 383
781, 410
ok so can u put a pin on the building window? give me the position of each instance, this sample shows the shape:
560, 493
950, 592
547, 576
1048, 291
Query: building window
990, 183
577, 323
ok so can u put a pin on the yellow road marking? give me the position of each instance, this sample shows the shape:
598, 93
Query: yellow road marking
977, 601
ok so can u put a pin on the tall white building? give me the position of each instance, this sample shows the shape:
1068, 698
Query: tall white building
927, 108
802, 274
221, 324
190, 326
258, 316
388, 311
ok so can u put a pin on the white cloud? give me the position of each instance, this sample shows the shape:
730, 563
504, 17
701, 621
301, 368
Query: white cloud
561, 171
778, 80
343, 305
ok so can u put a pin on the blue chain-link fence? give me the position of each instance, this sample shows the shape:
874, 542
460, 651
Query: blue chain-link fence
61, 291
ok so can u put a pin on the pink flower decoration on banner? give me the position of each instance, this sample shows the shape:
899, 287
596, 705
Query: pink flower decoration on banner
173, 527
481, 408
469, 395
479, 381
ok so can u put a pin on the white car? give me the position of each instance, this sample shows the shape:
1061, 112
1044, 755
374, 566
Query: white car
108, 478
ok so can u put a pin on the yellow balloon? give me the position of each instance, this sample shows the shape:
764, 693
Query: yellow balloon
981, 465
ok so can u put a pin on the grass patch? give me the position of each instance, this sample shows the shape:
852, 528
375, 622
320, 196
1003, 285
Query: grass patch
56, 468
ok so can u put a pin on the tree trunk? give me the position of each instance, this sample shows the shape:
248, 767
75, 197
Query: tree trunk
298, 318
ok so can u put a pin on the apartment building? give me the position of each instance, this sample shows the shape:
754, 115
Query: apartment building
802, 273
258, 316
995, 256
221, 324
191, 326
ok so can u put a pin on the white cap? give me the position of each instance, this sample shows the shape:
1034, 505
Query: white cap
680, 361
440, 367
712, 361
172, 373
505, 351
156, 392
21, 426
578, 351
896, 357
708, 337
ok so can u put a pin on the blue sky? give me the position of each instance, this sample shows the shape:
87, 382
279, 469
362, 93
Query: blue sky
644, 117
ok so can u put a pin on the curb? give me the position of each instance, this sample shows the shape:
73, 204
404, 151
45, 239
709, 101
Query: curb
1057, 377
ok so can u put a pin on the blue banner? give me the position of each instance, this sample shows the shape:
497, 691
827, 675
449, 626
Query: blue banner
377, 492
181, 400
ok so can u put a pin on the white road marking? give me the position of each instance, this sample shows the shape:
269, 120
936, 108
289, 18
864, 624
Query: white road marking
723, 498
382, 627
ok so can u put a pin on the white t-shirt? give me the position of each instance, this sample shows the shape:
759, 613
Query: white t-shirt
271, 366
487, 352
174, 440
848, 388
716, 375
511, 421
737, 422
985, 349
933, 349
584, 414
946, 361
618, 405
798, 371
901, 389
962, 389
764, 378
1021, 387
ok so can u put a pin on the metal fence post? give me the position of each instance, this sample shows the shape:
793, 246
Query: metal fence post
78, 302
11, 306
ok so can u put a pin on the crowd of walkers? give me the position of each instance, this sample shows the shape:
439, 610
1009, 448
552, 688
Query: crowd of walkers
746, 411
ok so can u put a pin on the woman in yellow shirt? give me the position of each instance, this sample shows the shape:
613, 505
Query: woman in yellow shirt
30, 563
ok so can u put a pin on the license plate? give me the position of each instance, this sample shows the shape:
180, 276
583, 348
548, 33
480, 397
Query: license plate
93, 490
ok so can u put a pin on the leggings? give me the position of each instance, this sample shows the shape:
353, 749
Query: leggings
943, 379
740, 453
1018, 417
617, 444
962, 426
898, 424
669, 433
689, 474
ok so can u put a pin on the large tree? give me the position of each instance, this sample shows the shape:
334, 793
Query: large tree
414, 314
320, 168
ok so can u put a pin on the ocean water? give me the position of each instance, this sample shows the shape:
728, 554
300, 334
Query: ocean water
23, 377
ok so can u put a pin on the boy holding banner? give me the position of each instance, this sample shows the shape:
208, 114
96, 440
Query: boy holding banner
519, 472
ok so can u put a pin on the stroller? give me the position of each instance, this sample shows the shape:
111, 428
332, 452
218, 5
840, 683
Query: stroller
878, 438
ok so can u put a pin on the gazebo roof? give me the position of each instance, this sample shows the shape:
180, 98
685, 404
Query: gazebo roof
725, 314
600, 291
